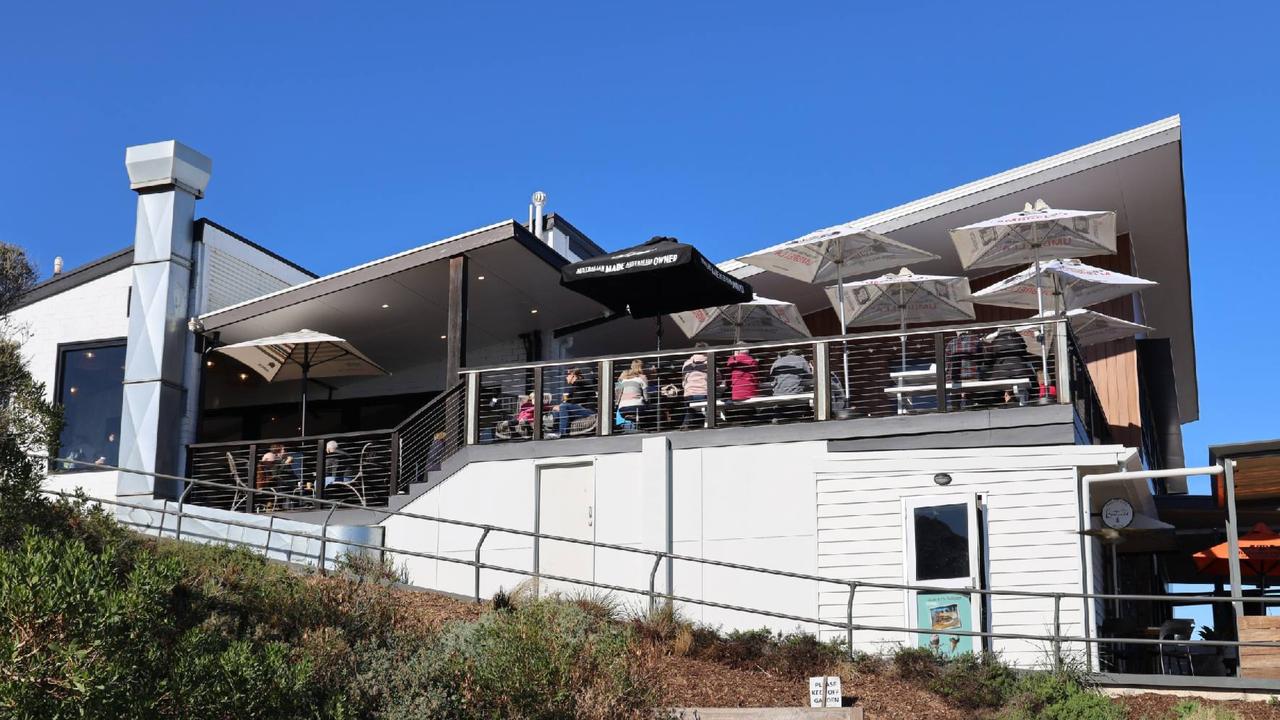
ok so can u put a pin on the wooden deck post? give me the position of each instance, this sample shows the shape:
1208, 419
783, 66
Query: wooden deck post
456, 330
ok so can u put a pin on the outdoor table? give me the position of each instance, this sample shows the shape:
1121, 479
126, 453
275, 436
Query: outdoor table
757, 401
1020, 387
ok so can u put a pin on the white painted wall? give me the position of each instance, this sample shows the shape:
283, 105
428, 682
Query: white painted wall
745, 504
1031, 513
787, 506
96, 310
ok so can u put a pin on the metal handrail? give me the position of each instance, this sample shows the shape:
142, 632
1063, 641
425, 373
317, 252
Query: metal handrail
849, 626
850, 337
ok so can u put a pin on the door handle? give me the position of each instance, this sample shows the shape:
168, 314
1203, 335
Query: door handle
590, 516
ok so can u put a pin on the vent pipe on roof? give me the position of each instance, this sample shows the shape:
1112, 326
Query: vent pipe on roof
539, 199
57, 266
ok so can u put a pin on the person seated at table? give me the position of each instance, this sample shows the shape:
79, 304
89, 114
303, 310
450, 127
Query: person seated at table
790, 374
1009, 360
277, 468
693, 385
744, 383
579, 400
526, 414
337, 464
631, 394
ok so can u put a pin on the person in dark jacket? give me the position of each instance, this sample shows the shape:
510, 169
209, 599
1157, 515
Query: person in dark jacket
579, 400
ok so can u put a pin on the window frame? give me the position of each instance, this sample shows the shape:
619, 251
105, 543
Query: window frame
60, 353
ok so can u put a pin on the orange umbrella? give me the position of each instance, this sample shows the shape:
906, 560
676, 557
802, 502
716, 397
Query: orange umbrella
1259, 555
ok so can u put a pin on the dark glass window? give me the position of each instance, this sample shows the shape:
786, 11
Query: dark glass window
90, 390
942, 542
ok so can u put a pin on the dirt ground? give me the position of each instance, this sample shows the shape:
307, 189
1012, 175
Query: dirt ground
690, 682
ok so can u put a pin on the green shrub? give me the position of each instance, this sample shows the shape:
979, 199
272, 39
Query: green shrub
1193, 710
1058, 696
543, 659
915, 664
974, 681
124, 632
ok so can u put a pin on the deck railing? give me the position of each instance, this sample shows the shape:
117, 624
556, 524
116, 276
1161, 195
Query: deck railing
927, 371
933, 370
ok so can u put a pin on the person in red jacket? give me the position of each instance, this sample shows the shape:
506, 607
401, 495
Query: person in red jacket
744, 382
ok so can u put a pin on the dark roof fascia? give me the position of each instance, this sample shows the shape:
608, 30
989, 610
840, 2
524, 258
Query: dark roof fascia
509, 230
1217, 453
200, 223
559, 221
75, 277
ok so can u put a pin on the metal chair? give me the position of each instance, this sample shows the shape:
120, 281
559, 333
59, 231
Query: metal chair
1175, 655
350, 483
242, 492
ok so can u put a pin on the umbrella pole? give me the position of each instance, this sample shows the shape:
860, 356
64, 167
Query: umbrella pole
1044, 337
844, 344
306, 367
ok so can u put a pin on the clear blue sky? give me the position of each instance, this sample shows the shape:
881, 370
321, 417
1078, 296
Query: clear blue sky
341, 133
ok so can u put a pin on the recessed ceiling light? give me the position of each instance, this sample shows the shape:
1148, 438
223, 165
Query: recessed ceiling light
444, 337
208, 363
89, 354
73, 389
385, 306
244, 376
479, 277
533, 311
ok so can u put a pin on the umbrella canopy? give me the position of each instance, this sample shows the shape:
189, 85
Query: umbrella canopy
1259, 553
1089, 327
760, 319
302, 355
1038, 231
904, 297
659, 277
836, 253
1066, 285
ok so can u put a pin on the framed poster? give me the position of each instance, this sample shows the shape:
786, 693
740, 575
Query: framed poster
940, 612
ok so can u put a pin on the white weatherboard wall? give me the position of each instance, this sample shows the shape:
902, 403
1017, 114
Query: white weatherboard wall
95, 310
747, 504
1031, 510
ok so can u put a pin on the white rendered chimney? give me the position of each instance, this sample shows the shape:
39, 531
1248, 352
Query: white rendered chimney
57, 266
539, 200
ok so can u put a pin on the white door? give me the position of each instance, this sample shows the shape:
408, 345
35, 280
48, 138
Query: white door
566, 508
944, 550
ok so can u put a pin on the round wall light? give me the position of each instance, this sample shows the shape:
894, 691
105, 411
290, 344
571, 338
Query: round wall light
943, 479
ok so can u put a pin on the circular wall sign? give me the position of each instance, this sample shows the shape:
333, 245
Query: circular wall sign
1117, 513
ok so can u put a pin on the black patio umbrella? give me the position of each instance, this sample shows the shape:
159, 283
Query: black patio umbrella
656, 278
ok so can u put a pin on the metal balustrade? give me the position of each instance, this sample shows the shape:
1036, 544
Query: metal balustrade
934, 370
1057, 645
430, 436
277, 475
949, 369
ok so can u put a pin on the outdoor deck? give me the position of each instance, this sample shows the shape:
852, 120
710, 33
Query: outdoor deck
868, 375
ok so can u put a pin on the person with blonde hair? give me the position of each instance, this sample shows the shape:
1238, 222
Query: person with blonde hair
631, 393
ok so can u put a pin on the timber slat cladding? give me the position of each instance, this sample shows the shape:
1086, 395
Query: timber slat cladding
1260, 662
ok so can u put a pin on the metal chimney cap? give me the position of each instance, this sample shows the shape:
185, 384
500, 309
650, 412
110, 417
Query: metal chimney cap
167, 163
57, 265
539, 198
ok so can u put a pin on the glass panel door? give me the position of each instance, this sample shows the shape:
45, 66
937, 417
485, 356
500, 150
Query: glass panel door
943, 551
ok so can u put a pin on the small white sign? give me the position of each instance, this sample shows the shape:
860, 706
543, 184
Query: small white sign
1117, 513
825, 691
834, 696
817, 691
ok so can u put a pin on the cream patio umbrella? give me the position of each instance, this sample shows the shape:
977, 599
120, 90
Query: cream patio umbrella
302, 355
836, 253
1069, 284
760, 319
904, 296
1089, 327
1036, 233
